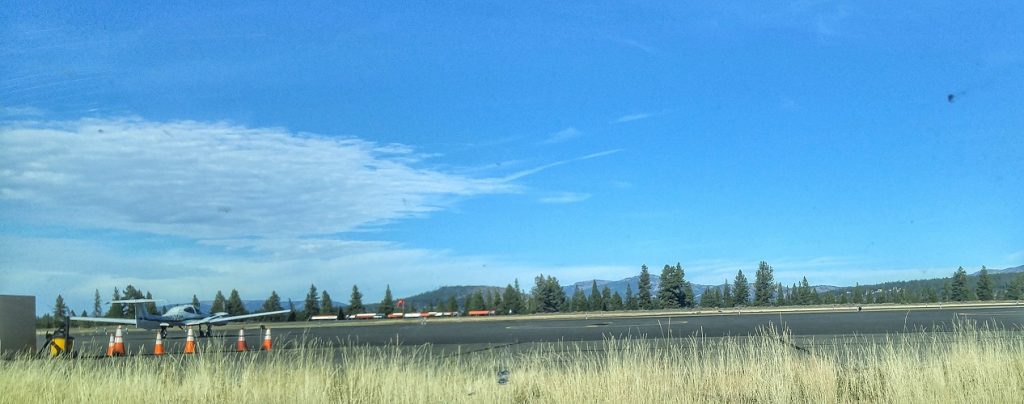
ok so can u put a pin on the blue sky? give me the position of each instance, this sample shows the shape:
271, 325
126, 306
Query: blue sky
190, 149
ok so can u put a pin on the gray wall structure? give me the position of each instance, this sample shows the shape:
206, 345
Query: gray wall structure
17, 325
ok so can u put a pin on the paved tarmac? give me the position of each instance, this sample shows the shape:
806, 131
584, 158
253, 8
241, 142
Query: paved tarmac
454, 333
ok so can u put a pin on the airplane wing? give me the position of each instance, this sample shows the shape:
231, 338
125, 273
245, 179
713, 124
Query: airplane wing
218, 319
130, 321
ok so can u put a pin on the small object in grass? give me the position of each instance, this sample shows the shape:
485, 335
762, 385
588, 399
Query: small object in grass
503, 376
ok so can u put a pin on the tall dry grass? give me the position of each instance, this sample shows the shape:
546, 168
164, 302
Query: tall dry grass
969, 364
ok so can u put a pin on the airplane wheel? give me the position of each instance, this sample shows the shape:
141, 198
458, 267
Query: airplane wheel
163, 333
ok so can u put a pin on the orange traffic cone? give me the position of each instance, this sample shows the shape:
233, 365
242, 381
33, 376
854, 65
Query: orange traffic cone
110, 346
240, 347
266, 341
118, 342
190, 342
158, 349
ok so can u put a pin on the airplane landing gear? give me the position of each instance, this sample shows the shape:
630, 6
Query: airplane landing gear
163, 332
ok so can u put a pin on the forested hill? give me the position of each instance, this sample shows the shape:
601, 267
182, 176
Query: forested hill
1002, 279
441, 295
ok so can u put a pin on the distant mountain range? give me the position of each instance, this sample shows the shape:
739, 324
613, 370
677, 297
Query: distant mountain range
620, 286
1002, 271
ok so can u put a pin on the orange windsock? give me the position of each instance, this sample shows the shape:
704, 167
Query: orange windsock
118, 342
110, 346
240, 347
190, 342
266, 341
158, 349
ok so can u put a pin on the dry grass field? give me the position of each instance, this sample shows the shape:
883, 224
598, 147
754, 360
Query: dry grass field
969, 364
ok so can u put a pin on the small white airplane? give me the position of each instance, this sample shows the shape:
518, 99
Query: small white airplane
180, 316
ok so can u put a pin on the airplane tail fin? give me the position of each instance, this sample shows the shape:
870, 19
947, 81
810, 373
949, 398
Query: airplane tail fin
140, 313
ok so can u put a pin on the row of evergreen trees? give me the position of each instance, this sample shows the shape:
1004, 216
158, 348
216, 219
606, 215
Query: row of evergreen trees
547, 296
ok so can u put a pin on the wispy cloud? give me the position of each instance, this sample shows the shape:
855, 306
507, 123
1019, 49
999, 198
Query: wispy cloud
201, 180
535, 170
645, 48
565, 197
21, 111
563, 136
633, 117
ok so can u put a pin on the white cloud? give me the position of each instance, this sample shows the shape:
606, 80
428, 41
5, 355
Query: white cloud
633, 117
202, 180
565, 197
563, 136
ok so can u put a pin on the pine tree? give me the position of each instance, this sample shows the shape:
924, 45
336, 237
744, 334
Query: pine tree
234, 305
195, 302
355, 302
387, 305
740, 290
615, 304
273, 303
579, 300
498, 302
452, 305
97, 308
804, 292
763, 285
630, 303
959, 291
689, 299
60, 310
548, 294
511, 303
311, 305
1015, 291
606, 298
780, 293
326, 304
644, 289
595, 303
670, 291
291, 310
116, 309
218, 303
475, 301
858, 294
727, 295
520, 301
151, 306
985, 285
710, 298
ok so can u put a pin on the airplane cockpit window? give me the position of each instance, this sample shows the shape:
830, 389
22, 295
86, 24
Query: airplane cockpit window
190, 310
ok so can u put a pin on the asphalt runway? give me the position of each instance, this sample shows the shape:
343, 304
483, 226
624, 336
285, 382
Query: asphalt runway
496, 331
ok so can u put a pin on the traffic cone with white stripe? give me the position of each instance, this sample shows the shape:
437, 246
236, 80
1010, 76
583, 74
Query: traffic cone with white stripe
110, 346
190, 342
266, 341
118, 342
158, 349
240, 346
